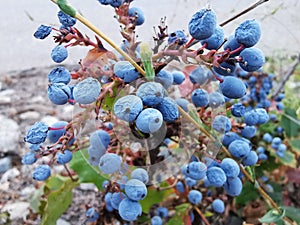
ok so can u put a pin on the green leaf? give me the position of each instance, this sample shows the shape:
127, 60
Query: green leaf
248, 194
35, 199
108, 100
288, 159
66, 8
272, 216
293, 213
146, 57
154, 197
58, 197
180, 213
290, 123
85, 171
295, 144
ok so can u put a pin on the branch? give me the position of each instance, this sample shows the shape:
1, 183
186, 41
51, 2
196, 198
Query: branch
259, 2
288, 74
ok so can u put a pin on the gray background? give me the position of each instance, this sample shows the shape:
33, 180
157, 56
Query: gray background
280, 22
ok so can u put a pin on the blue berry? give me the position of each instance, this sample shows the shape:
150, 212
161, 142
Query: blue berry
251, 117
215, 40
37, 133
281, 148
179, 187
229, 137
149, 120
262, 156
59, 93
238, 109
239, 149
253, 59
100, 139
66, 20
178, 77
135, 189
233, 186
216, 99
202, 24
225, 69
216, 176
41, 172
190, 182
151, 93
183, 103
35, 147
87, 91
59, 54
109, 163
92, 215
263, 115
65, 157
105, 184
165, 78
126, 71
248, 33
195, 197
198, 75
140, 174
129, 210
116, 199
267, 137
95, 155
128, 107
104, 2
218, 206
168, 109
280, 105
178, 37
221, 124
59, 75
42, 32
260, 149
232, 44
279, 97
156, 220
107, 200
249, 131
138, 14
163, 212
230, 167
233, 87
200, 98
195, 170
29, 158
250, 159
56, 131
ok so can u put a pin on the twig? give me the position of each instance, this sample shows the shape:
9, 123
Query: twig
288, 74
69, 173
202, 216
244, 12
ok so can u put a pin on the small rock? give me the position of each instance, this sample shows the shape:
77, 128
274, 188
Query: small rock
62, 222
17, 210
5, 100
49, 120
5, 164
27, 192
9, 175
8, 92
9, 135
87, 187
30, 115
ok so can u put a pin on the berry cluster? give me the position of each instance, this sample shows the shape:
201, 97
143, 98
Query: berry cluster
224, 93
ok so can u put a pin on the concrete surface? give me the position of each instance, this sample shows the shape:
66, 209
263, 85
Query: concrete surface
280, 22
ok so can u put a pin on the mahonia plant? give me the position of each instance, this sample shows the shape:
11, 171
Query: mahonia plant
177, 124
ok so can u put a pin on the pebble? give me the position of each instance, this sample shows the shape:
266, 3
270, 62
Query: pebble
5, 164
9, 175
87, 187
62, 222
9, 135
30, 115
49, 120
17, 210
